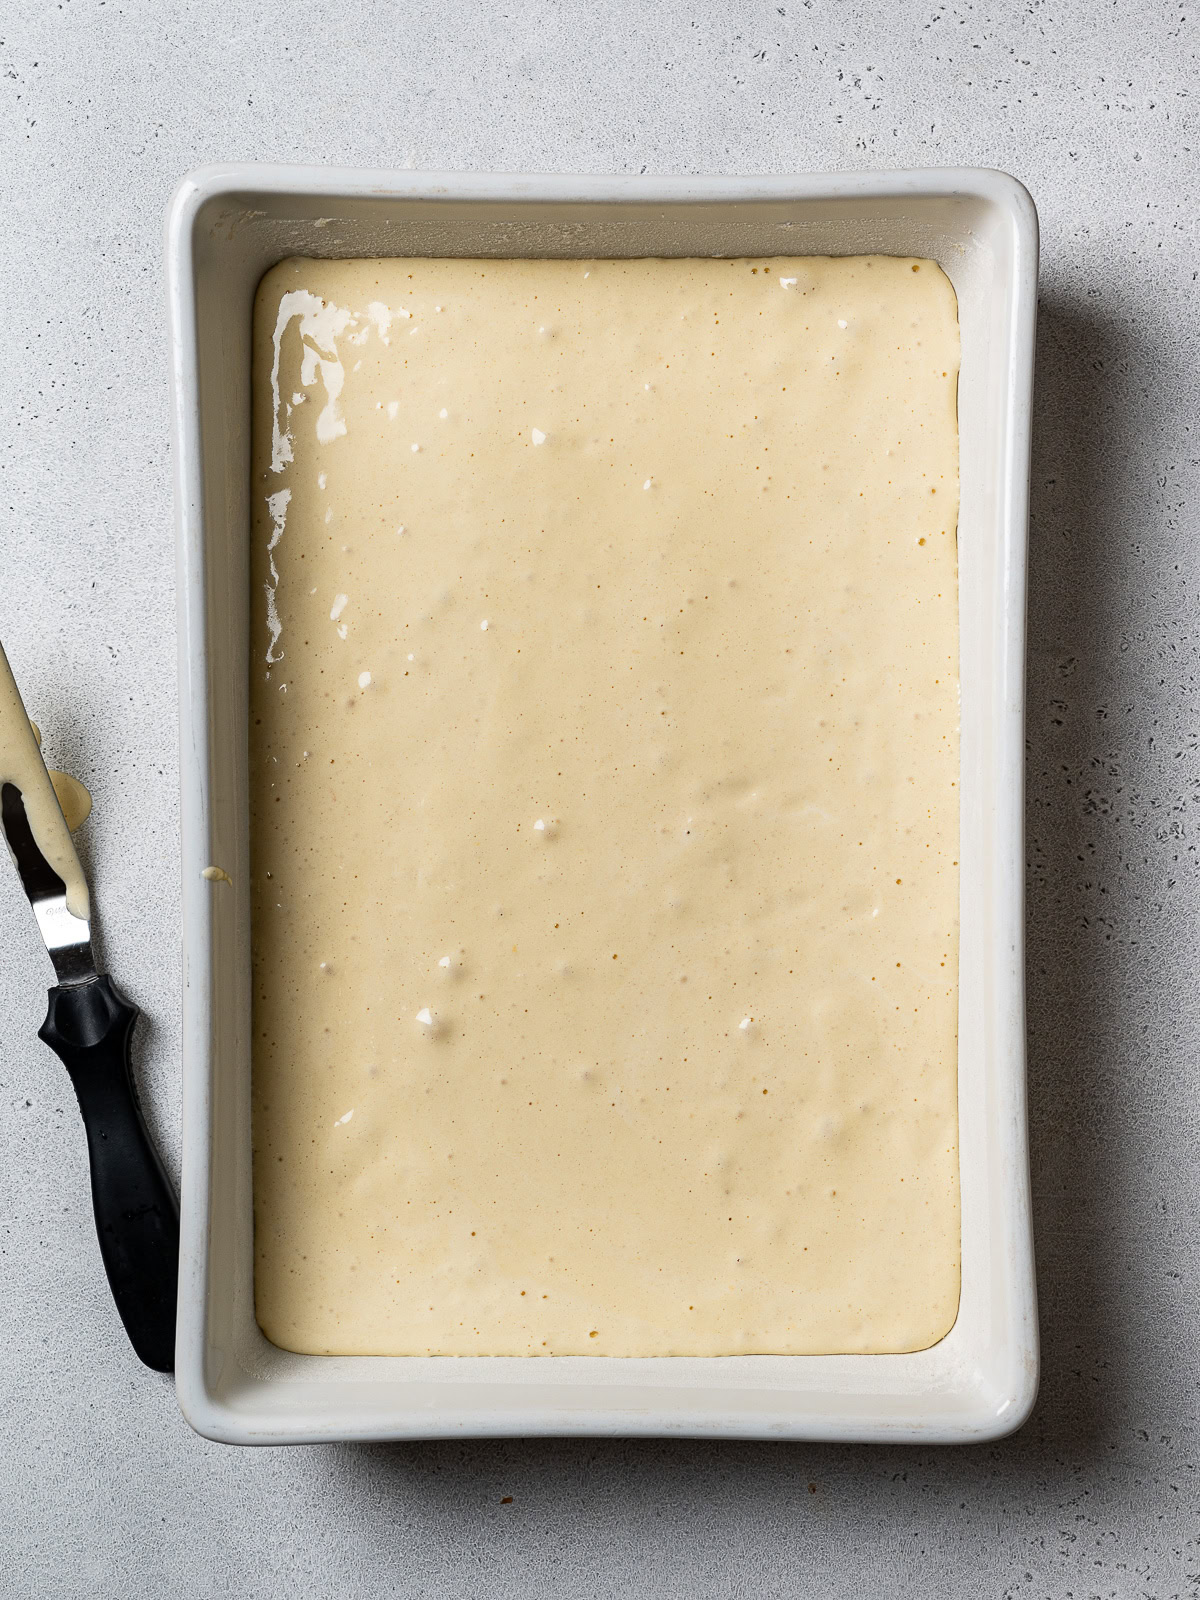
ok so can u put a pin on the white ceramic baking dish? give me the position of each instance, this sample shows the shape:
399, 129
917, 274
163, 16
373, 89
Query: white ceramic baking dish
225, 227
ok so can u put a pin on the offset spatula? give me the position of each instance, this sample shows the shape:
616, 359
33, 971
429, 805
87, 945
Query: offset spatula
90, 1026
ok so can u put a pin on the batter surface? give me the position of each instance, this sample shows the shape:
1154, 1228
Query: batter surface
604, 799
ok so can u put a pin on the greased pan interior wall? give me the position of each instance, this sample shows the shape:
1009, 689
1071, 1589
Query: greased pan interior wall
226, 226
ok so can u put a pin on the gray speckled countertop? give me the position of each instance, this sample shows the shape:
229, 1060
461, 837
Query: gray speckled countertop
104, 1492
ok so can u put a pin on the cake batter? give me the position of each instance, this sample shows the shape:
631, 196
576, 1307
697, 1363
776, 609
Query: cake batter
604, 803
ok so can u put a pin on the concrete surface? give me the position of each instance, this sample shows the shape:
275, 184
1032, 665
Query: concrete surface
103, 1490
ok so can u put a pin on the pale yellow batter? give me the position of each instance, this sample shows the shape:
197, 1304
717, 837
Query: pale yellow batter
603, 782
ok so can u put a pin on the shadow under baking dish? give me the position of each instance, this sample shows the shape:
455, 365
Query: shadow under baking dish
226, 227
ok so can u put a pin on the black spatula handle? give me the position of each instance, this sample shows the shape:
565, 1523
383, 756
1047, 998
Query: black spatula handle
90, 1026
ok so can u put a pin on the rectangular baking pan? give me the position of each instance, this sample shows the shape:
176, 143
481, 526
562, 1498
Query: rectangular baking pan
225, 227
